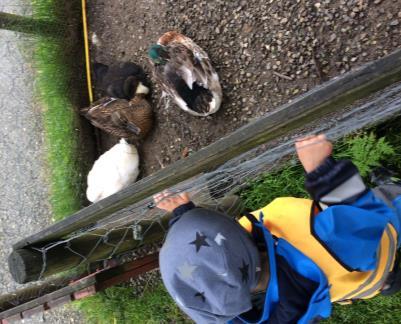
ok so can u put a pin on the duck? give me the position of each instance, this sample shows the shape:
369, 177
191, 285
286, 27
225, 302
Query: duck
130, 119
113, 171
185, 73
120, 79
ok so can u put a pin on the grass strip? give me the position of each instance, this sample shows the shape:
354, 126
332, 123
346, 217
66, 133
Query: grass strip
54, 90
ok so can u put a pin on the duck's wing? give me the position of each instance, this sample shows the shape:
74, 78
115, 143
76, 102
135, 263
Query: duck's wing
189, 78
109, 114
199, 63
122, 121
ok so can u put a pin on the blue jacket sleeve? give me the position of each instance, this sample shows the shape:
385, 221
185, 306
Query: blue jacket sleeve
335, 182
353, 219
352, 233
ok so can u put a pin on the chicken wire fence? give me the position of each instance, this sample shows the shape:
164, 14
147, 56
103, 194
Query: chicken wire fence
136, 223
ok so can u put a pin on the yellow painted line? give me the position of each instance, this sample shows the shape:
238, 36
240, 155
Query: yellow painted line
87, 57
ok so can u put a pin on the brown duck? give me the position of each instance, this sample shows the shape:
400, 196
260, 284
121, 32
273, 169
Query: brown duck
130, 119
185, 73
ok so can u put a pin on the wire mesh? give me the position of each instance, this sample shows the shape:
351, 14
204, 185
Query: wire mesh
139, 223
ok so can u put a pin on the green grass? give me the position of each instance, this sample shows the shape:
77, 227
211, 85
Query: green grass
364, 149
55, 92
378, 310
119, 305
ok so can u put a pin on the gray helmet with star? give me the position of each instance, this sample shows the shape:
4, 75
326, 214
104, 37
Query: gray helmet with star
209, 264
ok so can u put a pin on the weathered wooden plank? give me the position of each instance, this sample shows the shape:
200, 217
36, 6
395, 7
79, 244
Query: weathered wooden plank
84, 287
331, 96
83, 283
126, 271
24, 295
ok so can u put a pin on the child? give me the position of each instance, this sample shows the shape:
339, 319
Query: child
287, 262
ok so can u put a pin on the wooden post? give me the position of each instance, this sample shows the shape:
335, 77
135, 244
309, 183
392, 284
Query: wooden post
330, 97
29, 264
28, 25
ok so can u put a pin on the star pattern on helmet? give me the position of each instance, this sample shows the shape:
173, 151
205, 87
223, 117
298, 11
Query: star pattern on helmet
199, 241
201, 295
187, 270
244, 271
219, 239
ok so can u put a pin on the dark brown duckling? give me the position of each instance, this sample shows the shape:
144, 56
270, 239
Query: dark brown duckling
129, 119
119, 80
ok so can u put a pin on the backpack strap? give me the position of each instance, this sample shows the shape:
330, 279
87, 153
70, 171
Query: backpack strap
257, 231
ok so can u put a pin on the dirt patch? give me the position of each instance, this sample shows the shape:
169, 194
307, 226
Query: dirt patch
265, 52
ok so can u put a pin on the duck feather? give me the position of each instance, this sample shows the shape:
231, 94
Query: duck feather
188, 76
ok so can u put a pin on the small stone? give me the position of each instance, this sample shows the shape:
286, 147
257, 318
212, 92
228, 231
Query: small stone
332, 38
284, 20
394, 23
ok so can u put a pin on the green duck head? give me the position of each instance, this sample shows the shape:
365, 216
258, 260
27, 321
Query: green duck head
158, 54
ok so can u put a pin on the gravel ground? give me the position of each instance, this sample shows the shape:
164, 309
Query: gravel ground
24, 190
265, 51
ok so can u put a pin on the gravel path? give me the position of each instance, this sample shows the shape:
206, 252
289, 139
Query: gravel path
24, 190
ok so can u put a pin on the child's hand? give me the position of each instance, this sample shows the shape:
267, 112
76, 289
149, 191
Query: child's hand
313, 150
168, 203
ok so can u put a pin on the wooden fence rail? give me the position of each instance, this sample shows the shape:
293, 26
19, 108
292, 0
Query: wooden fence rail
327, 98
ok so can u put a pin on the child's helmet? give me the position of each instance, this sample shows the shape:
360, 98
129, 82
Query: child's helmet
209, 264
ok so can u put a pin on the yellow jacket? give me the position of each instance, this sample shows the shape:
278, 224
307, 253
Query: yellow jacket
290, 219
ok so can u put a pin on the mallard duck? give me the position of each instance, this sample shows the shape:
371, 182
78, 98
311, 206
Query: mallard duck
113, 171
185, 72
130, 119
119, 80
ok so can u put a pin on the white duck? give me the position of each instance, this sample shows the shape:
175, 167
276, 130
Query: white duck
113, 171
